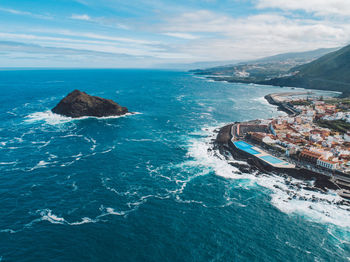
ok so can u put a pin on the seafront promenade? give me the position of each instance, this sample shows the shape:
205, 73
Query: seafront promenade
296, 144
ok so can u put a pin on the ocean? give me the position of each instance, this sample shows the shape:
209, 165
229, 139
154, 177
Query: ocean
147, 187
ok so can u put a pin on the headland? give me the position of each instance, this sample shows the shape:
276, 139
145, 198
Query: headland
298, 145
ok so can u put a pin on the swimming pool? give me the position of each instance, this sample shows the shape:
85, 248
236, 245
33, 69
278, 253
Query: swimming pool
245, 147
271, 159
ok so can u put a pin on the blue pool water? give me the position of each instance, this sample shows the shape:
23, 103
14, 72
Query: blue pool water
245, 147
271, 159
147, 187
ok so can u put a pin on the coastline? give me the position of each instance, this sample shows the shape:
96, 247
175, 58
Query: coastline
228, 79
110, 176
275, 99
323, 180
223, 143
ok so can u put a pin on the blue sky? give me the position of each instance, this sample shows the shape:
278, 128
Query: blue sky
115, 33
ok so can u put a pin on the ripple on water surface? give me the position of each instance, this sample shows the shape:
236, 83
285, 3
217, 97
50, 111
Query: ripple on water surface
151, 173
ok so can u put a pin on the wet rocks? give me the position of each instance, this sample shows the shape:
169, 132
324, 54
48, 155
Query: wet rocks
78, 104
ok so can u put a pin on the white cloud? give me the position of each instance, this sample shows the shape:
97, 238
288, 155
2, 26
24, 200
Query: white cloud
80, 34
112, 38
109, 22
20, 54
98, 43
254, 36
84, 17
181, 35
14, 11
276, 27
319, 7
24, 13
122, 26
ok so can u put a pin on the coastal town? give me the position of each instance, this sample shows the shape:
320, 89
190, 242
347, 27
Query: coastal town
314, 136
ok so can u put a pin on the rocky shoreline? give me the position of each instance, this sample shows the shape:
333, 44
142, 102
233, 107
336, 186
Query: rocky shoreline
222, 144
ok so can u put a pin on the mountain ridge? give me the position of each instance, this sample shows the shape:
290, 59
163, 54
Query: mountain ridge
262, 69
324, 69
330, 72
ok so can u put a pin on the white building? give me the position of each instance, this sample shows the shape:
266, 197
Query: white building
326, 164
269, 140
347, 137
316, 138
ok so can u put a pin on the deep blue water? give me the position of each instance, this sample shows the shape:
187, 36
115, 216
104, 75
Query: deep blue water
145, 187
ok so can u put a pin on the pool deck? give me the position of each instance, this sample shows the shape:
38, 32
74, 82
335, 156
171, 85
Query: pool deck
262, 155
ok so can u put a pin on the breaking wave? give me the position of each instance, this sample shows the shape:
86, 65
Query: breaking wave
48, 117
289, 195
51, 118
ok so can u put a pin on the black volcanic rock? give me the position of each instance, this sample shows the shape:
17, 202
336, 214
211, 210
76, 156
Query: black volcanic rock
78, 104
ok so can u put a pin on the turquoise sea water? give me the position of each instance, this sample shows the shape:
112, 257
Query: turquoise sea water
145, 187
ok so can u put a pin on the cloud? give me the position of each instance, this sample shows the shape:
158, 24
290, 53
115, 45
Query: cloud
253, 36
194, 30
9, 46
14, 11
98, 43
91, 36
109, 22
16, 54
181, 35
112, 38
122, 26
319, 7
84, 17
19, 12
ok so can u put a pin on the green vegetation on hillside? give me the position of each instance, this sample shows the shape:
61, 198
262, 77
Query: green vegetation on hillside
334, 125
262, 69
326, 71
329, 72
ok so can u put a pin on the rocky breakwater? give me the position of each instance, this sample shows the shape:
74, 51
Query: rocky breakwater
278, 99
79, 104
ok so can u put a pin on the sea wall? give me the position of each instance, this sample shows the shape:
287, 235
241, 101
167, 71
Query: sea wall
281, 105
223, 142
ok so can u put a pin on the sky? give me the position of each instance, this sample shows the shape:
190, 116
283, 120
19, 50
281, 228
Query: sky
155, 33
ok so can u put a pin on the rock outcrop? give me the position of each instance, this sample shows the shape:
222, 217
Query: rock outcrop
79, 104
224, 135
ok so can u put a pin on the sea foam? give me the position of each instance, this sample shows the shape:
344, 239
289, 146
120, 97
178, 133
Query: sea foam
293, 199
51, 118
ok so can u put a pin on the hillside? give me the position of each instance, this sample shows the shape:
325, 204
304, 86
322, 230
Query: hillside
262, 69
331, 72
